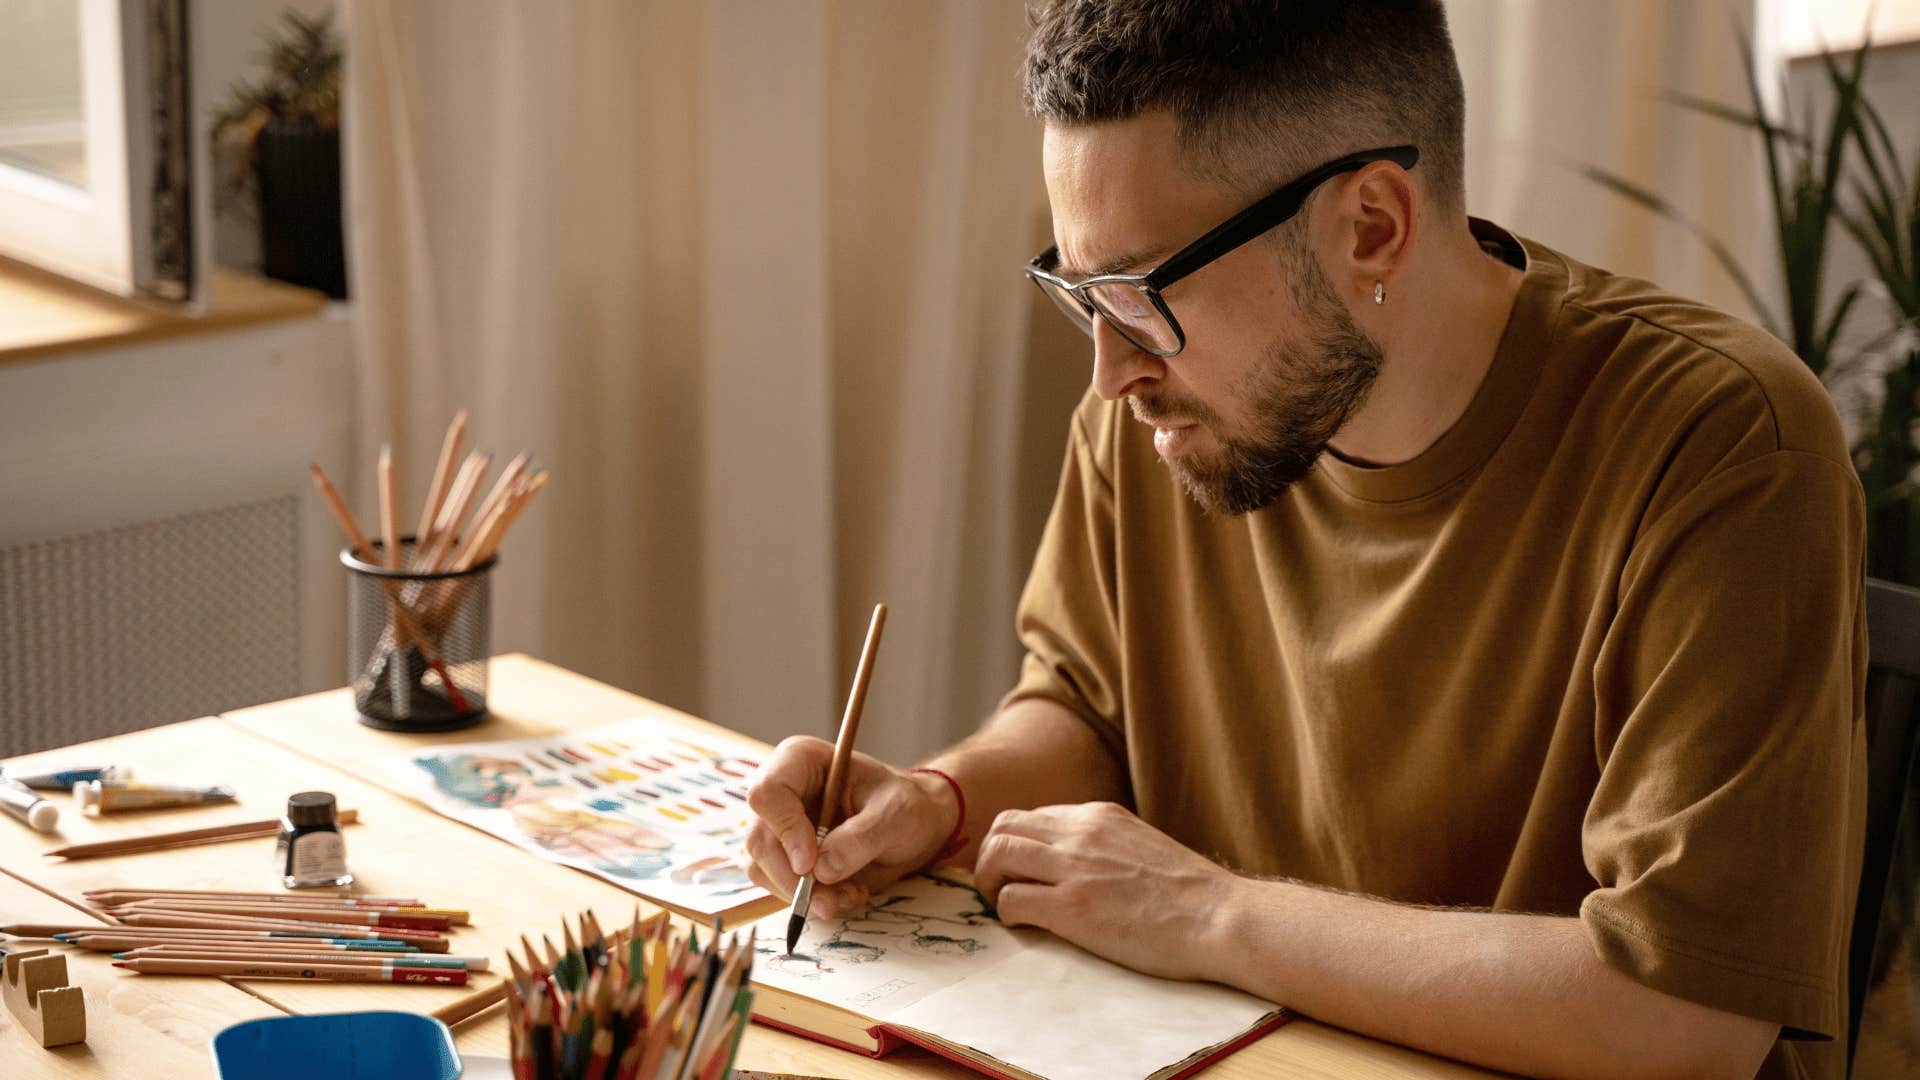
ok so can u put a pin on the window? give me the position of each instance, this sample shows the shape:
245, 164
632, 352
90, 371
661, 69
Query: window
97, 169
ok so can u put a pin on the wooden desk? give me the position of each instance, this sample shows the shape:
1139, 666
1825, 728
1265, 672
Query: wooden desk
270, 751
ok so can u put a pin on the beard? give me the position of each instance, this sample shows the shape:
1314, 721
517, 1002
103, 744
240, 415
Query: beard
1299, 397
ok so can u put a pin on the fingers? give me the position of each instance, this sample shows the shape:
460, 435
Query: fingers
1006, 857
770, 867
1023, 903
880, 828
788, 780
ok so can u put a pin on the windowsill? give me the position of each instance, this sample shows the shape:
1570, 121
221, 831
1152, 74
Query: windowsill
43, 315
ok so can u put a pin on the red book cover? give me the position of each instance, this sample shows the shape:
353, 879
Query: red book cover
892, 1039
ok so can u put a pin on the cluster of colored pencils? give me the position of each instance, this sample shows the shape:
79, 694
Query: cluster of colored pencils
642, 1004
270, 936
447, 540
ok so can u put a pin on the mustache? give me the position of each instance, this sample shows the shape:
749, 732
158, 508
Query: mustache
1158, 410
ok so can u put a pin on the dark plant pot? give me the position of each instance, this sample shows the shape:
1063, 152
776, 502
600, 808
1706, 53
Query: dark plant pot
298, 170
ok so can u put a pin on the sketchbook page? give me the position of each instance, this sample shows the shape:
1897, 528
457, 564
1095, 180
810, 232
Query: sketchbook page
921, 935
643, 804
1057, 1011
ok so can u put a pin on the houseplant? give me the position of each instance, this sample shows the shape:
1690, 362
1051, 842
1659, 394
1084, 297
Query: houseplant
282, 131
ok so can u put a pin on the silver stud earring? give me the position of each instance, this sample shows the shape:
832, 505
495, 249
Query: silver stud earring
1379, 293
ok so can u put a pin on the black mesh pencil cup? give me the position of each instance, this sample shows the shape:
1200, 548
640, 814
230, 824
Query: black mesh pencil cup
417, 643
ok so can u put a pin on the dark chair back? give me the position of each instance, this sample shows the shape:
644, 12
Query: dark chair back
1893, 677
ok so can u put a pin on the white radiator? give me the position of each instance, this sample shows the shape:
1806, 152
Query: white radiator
162, 553
112, 631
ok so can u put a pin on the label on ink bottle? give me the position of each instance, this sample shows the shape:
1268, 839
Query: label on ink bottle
319, 856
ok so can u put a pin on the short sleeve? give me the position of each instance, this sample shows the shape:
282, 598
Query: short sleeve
1068, 617
1725, 828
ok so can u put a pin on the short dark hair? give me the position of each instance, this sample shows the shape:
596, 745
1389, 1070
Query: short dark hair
1260, 89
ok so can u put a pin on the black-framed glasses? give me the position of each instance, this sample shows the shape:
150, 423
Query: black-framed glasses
1132, 304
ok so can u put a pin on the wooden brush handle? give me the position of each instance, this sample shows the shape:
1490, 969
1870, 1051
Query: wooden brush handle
850, 721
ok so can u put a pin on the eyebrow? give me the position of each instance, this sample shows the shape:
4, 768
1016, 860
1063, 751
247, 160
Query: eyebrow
1111, 266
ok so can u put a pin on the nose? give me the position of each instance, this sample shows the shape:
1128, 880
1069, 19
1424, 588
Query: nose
1119, 366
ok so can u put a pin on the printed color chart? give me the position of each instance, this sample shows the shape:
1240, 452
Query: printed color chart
638, 803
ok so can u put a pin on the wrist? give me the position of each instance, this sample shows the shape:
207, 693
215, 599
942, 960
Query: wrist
949, 804
1226, 921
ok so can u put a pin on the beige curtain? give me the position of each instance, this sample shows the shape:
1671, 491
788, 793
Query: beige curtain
745, 277
1555, 84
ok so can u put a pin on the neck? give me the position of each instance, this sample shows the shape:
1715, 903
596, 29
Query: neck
1438, 332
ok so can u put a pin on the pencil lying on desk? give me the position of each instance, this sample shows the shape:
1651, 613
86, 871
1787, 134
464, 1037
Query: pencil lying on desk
226, 894
234, 922
450, 916
239, 830
273, 906
287, 912
390, 971
256, 948
186, 952
111, 940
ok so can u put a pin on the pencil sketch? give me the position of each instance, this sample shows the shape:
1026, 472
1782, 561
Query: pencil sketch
922, 922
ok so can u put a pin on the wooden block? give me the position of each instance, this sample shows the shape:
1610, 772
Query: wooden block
34, 983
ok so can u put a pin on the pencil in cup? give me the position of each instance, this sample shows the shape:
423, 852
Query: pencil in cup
405, 627
397, 685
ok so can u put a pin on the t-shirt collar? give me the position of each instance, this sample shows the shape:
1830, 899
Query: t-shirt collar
1498, 402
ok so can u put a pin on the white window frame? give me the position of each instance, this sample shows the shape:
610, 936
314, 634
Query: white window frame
100, 233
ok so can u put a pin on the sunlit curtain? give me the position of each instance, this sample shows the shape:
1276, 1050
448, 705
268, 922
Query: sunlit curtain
744, 276
1556, 84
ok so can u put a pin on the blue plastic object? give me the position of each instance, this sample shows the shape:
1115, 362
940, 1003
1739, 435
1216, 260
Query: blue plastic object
337, 1046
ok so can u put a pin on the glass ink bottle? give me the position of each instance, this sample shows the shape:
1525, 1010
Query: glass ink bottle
311, 851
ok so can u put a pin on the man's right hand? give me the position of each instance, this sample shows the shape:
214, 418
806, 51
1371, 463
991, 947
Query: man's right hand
892, 822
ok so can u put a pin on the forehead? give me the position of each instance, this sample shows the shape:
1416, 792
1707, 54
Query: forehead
1118, 192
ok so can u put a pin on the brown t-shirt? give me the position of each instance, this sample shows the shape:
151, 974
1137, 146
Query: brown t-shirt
1598, 651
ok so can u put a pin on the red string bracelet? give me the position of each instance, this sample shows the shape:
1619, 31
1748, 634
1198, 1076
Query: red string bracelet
955, 841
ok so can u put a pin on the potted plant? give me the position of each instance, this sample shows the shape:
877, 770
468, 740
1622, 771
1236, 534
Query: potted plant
282, 134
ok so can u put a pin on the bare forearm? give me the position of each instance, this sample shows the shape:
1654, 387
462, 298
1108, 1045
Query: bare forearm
1521, 993
1033, 753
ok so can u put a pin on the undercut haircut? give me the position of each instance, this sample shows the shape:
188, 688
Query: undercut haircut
1260, 90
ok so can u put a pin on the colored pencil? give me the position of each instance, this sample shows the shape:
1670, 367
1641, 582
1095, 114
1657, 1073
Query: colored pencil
248, 922
455, 916
286, 912
291, 947
224, 894
392, 971
389, 511
187, 952
238, 830
114, 942
442, 477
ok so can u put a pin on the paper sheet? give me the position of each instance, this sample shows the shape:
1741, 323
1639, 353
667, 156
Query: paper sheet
1065, 1014
929, 954
648, 806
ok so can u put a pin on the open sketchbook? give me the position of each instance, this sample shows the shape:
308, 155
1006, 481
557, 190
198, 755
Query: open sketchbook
651, 805
928, 963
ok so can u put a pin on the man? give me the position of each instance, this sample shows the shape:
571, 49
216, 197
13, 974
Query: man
1483, 670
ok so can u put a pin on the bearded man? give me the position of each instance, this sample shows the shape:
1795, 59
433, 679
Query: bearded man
1434, 634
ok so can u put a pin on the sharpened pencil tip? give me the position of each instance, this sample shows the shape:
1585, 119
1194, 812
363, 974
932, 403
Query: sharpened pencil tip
119, 963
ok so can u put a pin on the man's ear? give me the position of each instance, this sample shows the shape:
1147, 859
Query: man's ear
1377, 214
